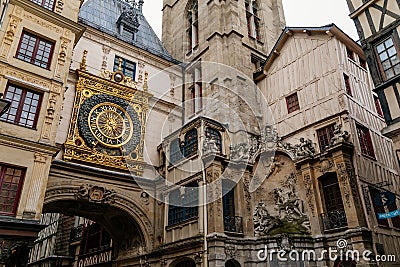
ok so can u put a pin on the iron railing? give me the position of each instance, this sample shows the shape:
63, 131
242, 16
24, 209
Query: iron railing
334, 219
233, 224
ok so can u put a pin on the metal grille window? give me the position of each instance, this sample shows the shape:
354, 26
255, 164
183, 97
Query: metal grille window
175, 153
216, 136
25, 106
183, 206
324, 137
48, 4
388, 57
292, 103
193, 29
35, 50
347, 84
11, 179
127, 67
365, 141
335, 216
191, 143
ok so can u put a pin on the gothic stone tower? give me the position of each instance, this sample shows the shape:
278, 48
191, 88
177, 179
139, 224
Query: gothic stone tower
235, 33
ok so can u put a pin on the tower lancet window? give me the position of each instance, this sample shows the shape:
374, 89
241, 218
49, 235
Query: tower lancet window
193, 25
253, 20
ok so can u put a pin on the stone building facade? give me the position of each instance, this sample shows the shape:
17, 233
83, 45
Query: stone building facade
264, 138
37, 40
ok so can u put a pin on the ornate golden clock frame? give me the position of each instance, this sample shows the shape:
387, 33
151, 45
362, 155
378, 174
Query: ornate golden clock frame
108, 121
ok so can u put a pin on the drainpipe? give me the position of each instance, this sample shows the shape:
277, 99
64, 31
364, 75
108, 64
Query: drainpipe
205, 221
3, 11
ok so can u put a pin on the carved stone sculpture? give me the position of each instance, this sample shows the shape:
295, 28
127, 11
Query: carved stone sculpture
339, 136
93, 193
289, 212
210, 146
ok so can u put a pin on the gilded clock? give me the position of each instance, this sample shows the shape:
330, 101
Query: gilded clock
109, 123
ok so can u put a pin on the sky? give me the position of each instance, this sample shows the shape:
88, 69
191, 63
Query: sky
297, 13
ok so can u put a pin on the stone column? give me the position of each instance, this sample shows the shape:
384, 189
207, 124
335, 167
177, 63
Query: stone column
37, 187
357, 235
312, 199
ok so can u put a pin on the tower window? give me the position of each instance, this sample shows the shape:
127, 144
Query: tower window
35, 50
175, 153
11, 179
253, 21
25, 106
193, 24
292, 103
191, 143
196, 89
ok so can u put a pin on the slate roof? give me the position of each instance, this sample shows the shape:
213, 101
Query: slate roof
103, 15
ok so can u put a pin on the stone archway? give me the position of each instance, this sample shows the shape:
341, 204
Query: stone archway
126, 222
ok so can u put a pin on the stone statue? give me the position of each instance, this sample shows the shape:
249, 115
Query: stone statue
263, 221
210, 146
305, 148
339, 136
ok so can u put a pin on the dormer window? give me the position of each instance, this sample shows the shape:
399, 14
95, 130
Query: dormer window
128, 23
193, 25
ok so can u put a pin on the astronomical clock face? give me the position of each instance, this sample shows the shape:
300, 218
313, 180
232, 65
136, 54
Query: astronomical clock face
110, 124
107, 126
